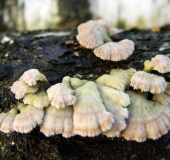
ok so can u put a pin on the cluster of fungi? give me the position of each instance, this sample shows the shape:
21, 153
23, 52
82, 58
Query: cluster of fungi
115, 104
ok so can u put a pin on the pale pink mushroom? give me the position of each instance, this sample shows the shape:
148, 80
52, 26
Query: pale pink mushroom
160, 63
20, 89
115, 51
94, 33
115, 102
58, 121
28, 118
6, 120
148, 82
33, 76
61, 94
147, 119
90, 117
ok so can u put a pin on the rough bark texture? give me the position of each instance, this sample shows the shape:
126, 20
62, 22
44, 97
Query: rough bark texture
57, 57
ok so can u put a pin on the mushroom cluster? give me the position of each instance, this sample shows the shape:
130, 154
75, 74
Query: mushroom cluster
29, 114
95, 34
115, 104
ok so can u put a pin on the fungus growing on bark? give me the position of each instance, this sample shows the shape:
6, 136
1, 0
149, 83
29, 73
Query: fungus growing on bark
20, 89
95, 33
160, 63
147, 119
118, 78
58, 121
148, 82
115, 51
39, 99
115, 102
90, 108
61, 94
6, 120
90, 117
75, 82
33, 76
28, 118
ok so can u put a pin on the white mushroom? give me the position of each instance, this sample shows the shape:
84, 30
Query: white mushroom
147, 119
90, 117
28, 118
32, 76
58, 121
115, 51
148, 82
20, 89
115, 102
61, 94
6, 120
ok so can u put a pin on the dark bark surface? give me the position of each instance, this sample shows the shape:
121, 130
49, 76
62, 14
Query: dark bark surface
57, 57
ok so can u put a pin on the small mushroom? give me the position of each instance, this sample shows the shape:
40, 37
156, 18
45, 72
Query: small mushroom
119, 79
110, 26
20, 89
162, 98
32, 76
115, 102
61, 94
39, 99
115, 51
75, 82
94, 33
160, 63
147, 119
28, 118
90, 117
58, 121
92, 23
6, 120
148, 82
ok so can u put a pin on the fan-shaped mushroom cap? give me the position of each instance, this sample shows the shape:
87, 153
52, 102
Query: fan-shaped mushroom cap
148, 82
115, 51
75, 82
114, 101
86, 25
110, 26
90, 117
160, 63
39, 99
28, 118
58, 121
92, 23
32, 76
20, 89
93, 34
147, 119
119, 79
61, 94
162, 98
6, 120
